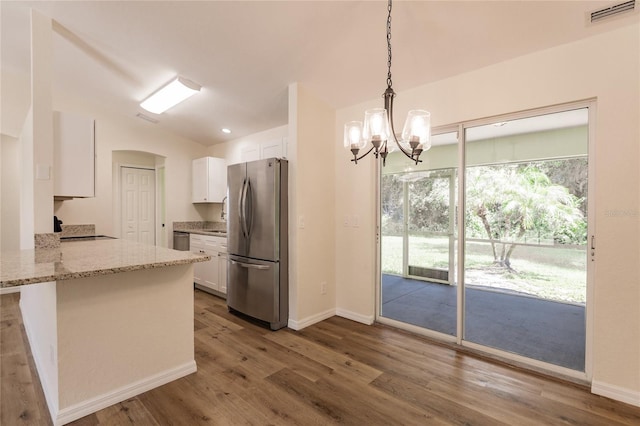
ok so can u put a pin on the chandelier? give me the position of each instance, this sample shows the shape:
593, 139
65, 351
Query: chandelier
378, 124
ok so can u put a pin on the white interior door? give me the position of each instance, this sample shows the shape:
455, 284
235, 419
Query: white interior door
138, 204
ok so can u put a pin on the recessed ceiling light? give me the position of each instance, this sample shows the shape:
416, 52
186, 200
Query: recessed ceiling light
170, 95
225, 130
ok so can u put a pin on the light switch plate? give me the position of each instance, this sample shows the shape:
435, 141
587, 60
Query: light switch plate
43, 172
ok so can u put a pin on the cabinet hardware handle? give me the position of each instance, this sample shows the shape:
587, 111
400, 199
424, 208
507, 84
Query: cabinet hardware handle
250, 265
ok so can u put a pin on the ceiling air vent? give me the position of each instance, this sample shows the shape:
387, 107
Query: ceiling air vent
146, 117
607, 12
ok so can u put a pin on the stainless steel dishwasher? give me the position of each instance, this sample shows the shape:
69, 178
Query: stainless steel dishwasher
180, 240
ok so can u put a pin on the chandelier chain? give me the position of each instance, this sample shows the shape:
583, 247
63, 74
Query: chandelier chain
389, 83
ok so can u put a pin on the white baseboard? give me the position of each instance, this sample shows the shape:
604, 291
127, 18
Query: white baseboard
616, 392
7, 290
306, 322
84, 408
51, 400
353, 316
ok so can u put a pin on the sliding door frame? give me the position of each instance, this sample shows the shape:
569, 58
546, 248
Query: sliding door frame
520, 360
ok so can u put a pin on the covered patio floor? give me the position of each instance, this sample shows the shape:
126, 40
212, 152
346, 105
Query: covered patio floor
544, 330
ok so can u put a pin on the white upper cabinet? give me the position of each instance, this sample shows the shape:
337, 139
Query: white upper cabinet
73, 155
209, 180
274, 148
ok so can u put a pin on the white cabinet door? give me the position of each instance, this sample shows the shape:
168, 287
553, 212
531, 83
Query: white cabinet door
249, 153
222, 259
213, 273
199, 181
208, 180
272, 149
73, 155
196, 246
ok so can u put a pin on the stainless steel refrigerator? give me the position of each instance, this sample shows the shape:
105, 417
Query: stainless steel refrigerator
257, 241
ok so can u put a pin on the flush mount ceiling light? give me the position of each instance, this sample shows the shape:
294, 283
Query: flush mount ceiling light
378, 124
170, 95
225, 130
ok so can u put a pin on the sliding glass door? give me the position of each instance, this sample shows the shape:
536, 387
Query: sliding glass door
526, 236
521, 286
418, 244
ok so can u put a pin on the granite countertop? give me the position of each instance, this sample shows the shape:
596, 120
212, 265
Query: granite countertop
216, 229
205, 232
81, 259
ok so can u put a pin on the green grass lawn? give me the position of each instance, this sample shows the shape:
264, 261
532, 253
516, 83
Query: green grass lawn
548, 272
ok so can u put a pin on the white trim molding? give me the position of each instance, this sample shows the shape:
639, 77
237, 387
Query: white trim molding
354, 316
616, 392
76, 411
8, 290
306, 322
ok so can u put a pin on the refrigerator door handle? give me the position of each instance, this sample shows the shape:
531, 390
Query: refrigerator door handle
250, 265
241, 208
248, 205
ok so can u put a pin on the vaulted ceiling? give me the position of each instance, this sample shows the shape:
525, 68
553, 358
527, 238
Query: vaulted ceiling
246, 53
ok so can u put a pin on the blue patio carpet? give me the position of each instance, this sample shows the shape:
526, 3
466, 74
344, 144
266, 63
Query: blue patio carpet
541, 329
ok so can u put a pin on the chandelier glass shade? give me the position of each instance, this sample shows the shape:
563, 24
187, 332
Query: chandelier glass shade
378, 128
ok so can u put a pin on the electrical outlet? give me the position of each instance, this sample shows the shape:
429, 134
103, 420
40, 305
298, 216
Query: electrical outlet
323, 287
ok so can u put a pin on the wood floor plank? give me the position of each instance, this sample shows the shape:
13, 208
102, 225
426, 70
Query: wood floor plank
341, 363
129, 412
607, 410
9, 306
333, 372
445, 408
334, 397
211, 319
17, 392
276, 404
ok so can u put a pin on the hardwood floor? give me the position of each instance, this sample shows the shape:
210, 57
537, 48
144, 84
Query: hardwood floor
334, 372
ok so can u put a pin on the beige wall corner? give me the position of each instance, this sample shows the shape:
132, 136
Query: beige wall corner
311, 207
604, 67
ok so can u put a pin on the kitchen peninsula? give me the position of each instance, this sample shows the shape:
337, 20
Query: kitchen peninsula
105, 319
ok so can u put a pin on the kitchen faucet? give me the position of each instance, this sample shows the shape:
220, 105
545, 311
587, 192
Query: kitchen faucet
223, 213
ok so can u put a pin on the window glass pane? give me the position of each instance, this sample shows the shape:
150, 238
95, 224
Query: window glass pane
525, 236
418, 205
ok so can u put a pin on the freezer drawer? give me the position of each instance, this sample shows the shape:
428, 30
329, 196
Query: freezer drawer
253, 288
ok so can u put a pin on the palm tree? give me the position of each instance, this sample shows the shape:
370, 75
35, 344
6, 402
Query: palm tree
511, 200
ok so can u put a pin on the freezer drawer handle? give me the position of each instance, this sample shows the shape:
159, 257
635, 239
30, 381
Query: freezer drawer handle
250, 265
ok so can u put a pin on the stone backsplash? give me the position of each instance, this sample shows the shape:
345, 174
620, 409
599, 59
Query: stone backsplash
78, 230
196, 225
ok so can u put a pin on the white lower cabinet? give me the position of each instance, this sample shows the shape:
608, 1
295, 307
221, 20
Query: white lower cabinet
213, 273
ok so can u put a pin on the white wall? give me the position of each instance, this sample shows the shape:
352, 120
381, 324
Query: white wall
27, 212
605, 67
311, 207
9, 193
38, 308
232, 150
14, 102
116, 133
105, 346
